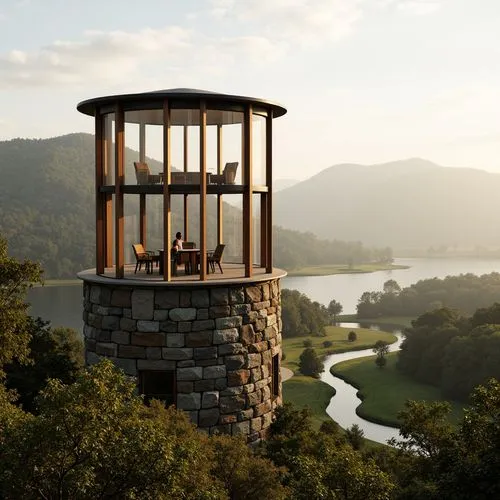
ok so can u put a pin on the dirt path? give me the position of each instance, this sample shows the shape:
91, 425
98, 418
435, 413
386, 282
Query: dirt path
286, 373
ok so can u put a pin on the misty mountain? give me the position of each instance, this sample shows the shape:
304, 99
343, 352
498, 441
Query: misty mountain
47, 207
280, 184
408, 204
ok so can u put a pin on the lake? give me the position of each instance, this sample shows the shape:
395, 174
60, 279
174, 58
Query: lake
63, 305
348, 288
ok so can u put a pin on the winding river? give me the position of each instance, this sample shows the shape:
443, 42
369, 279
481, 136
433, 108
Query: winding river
342, 406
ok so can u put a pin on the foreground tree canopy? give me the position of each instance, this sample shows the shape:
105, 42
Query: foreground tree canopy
15, 279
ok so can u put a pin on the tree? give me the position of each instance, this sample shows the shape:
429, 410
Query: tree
381, 348
54, 353
96, 439
355, 436
352, 336
310, 363
15, 279
334, 308
391, 287
448, 462
244, 475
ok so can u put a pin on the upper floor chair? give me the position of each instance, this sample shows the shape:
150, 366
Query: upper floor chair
228, 175
144, 175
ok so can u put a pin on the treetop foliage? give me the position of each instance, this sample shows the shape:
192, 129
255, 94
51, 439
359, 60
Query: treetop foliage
452, 351
465, 292
301, 316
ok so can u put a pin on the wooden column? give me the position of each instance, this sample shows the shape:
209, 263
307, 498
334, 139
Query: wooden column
100, 200
119, 180
203, 190
263, 230
220, 213
269, 183
247, 193
142, 196
167, 209
186, 214
109, 229
108, 203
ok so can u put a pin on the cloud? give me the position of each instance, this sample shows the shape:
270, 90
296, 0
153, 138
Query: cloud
112, 58
413, 7
99, 56
302, 22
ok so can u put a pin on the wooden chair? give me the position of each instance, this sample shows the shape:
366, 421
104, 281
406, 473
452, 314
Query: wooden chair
144, 175
145, 257
215, 257
228, 175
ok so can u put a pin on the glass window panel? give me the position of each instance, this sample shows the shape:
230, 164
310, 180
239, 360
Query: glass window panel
233, 228
259, 150
256, 229
109, 148
132, 153
131, 234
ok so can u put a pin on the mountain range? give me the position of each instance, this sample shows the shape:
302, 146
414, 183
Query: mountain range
407, 204
47, 207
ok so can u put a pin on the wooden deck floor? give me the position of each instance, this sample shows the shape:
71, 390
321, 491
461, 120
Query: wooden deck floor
232, 273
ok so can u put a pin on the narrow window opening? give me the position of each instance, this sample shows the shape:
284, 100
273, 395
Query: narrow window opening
157, 385
276, 376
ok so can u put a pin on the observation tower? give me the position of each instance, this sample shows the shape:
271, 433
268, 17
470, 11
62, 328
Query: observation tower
198, 327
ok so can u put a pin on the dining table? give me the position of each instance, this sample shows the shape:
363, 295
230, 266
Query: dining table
193, 254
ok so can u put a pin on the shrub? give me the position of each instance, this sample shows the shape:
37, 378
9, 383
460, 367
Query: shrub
308, 343
352, 337
310, 363
327, 343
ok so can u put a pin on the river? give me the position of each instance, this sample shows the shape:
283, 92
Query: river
342, 406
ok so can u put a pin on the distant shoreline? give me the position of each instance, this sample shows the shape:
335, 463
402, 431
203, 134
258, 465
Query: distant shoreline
326, 270
343, 269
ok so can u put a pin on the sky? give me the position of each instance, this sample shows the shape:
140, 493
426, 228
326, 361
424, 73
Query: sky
364, 81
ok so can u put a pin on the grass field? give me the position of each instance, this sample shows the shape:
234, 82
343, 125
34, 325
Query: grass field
68, 282
341, 269
384, 391
307, 391
338, 336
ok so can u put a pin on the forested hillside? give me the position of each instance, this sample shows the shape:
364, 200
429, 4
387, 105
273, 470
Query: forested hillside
47, 204
408, 205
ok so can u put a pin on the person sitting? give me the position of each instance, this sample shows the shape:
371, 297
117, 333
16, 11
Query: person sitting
175, 255
177, 244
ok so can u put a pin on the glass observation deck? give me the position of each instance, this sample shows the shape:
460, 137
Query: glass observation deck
189, 161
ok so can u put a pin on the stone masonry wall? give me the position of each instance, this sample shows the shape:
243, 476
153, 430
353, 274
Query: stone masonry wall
219, 341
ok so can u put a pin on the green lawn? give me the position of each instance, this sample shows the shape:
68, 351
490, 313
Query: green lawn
384, 391
341, 269
366, 338
307, 391
68, 282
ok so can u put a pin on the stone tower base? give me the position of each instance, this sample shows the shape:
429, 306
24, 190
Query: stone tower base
214, 351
